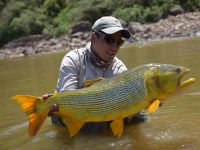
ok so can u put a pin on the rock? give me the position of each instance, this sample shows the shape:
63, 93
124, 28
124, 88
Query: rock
184, 25
135, 27
81, 27
77, 35
124, 23
175, 10
198, 33
58, 46
28, 51
2, 55
53, 41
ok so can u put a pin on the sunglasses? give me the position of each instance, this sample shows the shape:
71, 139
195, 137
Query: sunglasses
109, 39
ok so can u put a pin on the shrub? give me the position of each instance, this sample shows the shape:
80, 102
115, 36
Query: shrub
28, 22
5, 33
62, 22
52, 7
2, 4
130, 14
190, 5
153, 14
55, 17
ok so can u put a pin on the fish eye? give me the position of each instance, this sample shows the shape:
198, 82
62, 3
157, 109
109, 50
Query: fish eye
178, 70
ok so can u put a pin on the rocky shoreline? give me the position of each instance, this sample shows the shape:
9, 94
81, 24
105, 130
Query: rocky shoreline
182, 25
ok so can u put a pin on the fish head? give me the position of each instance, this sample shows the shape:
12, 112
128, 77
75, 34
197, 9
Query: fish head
166, 79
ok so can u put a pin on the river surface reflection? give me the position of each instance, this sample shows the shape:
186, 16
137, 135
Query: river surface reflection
174, 126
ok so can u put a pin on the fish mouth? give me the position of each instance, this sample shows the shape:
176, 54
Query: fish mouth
188, 82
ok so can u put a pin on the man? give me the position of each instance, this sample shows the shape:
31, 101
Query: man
95, 60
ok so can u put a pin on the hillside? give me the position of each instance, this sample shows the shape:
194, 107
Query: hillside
183, 25
53, 18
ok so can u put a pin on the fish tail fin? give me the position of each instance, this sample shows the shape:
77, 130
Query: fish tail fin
28, 104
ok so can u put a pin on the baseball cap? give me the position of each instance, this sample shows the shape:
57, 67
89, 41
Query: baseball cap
110, 25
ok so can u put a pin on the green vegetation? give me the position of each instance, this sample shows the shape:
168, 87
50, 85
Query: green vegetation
54, 17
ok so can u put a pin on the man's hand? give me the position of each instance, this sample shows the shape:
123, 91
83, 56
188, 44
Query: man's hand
54, 107
46, 96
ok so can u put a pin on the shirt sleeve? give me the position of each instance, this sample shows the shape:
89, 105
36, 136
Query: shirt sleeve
68, 73
122, 67
119, 67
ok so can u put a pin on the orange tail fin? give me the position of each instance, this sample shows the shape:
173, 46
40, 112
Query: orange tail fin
28, 104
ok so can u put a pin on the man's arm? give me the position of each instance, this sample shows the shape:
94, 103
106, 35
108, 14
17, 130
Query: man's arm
68, 77
68, 80
69, 73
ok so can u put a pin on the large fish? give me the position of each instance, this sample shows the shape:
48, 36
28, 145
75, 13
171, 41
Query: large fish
112, 99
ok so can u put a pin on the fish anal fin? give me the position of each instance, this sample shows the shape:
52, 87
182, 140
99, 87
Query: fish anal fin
117, 126
88, 83
73, 124
153, 106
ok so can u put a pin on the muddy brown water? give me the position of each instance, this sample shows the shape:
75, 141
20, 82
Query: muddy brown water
174, 126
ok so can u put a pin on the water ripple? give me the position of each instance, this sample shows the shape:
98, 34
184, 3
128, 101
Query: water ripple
11, 129
194, 93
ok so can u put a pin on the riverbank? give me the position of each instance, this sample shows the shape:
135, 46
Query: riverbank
183, 25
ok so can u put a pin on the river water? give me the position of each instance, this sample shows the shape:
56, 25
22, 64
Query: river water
174, 126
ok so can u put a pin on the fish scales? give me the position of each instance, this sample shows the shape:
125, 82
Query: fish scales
144, 87
105, 99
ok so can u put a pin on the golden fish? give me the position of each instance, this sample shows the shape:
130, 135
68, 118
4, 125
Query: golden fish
112, 99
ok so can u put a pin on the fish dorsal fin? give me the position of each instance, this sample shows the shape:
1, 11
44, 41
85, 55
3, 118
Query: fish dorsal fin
117, 126
88, 83
153, 106
72, 123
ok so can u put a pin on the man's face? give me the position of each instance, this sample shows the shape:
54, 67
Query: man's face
107, 46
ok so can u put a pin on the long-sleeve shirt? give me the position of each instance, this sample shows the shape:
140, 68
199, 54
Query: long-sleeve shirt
76, 68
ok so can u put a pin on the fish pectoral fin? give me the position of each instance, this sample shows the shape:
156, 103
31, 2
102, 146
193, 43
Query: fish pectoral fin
72, 123
117, 126
153, 106
88, 83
